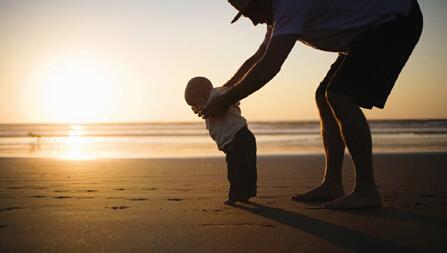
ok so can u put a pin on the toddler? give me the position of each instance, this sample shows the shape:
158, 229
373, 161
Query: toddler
232, 136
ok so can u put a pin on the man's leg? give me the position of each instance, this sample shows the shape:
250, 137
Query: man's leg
357, 137
334, 147
332, 186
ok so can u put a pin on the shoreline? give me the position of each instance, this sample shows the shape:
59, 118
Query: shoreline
220, 156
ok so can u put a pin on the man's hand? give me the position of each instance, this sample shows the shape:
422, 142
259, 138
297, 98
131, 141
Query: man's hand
216, 106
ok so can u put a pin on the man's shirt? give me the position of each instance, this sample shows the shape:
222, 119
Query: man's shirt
331, 25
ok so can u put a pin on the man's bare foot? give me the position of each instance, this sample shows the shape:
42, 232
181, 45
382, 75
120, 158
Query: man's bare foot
320, 193
356, 199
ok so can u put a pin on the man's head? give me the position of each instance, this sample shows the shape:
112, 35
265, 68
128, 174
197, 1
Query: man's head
258, 11
197, 92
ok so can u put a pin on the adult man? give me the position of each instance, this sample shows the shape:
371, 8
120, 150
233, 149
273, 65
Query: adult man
374, 39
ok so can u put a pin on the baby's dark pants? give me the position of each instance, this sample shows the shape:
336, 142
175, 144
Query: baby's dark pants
241, 164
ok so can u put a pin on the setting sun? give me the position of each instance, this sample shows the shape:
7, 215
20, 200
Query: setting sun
77, 88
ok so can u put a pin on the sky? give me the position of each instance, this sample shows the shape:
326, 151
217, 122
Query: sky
128, 61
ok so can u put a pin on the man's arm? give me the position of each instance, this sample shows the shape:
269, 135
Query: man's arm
277, 52
250, 62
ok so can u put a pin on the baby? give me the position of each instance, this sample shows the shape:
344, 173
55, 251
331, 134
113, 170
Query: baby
232, 136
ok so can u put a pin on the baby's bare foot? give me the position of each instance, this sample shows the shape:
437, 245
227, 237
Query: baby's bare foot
229, 202
356, 200
320, 193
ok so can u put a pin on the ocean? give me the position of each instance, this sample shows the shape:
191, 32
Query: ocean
163, 140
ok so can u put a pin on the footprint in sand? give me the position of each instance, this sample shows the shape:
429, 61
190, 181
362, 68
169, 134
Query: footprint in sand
11, 208
239, 224
85, 197
174, 199
38, 196
150, 189
39, 187
212, 210
115, 198
118, 207
138, 199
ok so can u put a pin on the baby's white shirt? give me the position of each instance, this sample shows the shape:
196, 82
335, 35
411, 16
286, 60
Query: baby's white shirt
223, 128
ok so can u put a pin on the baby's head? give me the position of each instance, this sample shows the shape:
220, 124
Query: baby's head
197, 91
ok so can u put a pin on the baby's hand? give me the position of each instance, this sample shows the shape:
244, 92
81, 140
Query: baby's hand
195, 109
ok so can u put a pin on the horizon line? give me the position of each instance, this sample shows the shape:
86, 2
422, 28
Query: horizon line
194, 122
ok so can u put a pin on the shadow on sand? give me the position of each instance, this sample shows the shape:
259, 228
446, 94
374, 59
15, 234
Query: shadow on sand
344, 237
389, 213
402, 215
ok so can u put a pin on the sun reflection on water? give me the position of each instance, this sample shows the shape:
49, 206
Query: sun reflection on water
75, 143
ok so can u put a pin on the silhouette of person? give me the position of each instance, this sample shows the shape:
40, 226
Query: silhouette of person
374, 39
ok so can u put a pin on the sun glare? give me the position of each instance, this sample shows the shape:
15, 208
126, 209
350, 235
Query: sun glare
77, 88
75, 143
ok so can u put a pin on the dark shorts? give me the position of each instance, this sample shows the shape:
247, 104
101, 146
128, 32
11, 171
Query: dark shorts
368, 71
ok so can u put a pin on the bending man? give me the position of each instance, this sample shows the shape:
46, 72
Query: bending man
374, 39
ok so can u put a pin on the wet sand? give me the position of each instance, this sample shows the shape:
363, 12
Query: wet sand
176, 205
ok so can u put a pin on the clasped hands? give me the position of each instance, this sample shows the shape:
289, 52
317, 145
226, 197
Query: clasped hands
217, 106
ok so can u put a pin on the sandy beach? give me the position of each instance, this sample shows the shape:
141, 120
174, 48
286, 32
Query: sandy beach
176, 205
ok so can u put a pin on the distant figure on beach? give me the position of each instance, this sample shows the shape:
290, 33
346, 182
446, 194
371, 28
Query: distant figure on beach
38, 136
232, 136
374, 39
